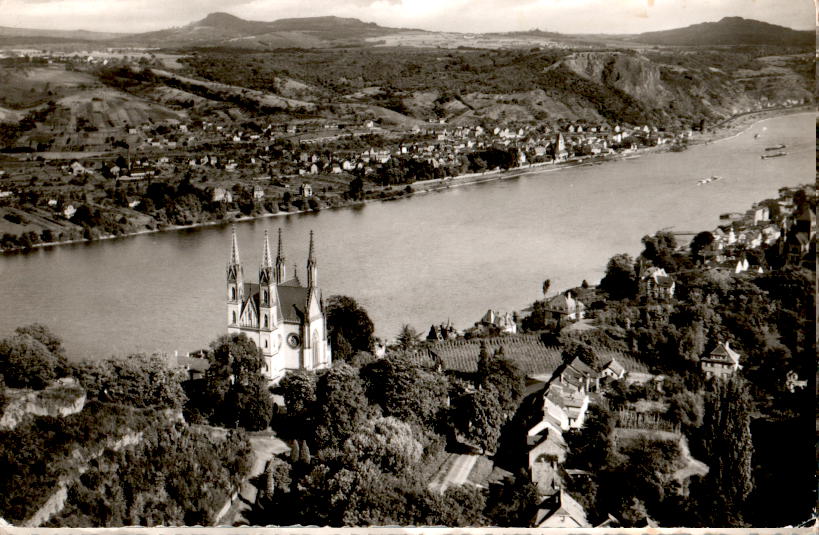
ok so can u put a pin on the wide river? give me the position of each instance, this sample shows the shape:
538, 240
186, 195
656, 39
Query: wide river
447, 255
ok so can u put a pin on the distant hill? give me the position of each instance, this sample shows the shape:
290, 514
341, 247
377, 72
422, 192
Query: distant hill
69, 35
729, 31
225, 30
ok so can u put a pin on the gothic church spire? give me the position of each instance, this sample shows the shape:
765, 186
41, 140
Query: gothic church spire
266, 270
312, 271
280, 267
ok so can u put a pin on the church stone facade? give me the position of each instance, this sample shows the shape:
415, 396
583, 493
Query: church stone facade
284, 318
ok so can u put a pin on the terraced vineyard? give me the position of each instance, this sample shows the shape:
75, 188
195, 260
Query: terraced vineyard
527, 350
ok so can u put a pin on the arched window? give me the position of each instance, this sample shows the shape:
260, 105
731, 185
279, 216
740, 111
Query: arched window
266, 323
234, 317
233, 296
266, 297
265, 346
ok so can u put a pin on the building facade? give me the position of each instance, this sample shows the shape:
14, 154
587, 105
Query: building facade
283, 317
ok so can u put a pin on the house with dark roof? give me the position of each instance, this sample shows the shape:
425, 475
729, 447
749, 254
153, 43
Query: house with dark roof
564, 306
721, 362
655, 283
559, 510
613, 369
576, 374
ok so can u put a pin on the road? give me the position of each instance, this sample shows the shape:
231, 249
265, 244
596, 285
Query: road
459, 469
265, 445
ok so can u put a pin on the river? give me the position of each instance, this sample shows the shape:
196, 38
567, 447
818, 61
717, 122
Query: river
451, 254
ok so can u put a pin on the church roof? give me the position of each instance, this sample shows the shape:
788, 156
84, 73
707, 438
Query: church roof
292, 300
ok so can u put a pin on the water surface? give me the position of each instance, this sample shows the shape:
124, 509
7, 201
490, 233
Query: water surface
446, 255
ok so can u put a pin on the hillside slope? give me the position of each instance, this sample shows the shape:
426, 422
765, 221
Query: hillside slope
729, 31
225, 30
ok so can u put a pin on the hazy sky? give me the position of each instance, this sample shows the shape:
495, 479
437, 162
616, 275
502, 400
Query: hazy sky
568, 16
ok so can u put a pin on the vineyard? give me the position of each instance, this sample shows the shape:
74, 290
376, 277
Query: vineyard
526, 350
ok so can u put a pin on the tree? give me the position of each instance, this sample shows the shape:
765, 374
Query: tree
633, 512
342, 406
577, 349
505, 377
408, 337
513, 504
546, 285
458, 506
138, 380
479, 417
686, 408
356, 189
298, 387
54, 343
406, 390
726, 439
620, 281
593, 448
347, 320
699, 243
659, 249
234, 392
387, 442
253, 404
26, 362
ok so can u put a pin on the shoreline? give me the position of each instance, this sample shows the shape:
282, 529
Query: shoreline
731, 130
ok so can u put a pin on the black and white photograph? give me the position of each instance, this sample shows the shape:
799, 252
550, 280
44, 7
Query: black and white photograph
389, 263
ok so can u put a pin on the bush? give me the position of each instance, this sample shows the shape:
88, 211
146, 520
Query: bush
27, 363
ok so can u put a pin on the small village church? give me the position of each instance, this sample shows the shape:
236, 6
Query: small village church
283, 317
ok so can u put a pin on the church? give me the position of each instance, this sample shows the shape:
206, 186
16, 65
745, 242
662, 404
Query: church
283, 317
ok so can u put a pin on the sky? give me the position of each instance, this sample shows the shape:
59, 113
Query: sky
565, 16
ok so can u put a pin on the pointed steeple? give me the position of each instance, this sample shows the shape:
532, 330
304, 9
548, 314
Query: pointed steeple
312, 272
234, 267
266, 271
267, 260
235, 277
280, 267
234, 249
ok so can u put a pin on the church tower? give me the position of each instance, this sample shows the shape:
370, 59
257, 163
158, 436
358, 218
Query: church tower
280, 269
267, 289
314, 334
312, 271
235, 283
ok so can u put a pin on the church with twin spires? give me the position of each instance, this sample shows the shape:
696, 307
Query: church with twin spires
284, 318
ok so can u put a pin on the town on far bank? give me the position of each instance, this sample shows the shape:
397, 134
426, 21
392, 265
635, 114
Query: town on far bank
112, 172
680, 381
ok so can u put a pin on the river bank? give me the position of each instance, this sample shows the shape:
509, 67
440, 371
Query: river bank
728, 129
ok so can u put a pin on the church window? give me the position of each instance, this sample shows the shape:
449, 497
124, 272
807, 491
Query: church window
234, 317
265, 344
233, 296
266, 298
266, 322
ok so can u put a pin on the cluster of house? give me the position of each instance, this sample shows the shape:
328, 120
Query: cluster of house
438, 144
792, 232
563, 401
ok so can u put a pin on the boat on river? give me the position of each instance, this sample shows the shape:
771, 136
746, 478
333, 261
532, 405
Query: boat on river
713, 178
775, 155
777, 147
